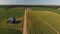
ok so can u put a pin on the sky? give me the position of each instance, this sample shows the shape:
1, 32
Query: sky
30, 2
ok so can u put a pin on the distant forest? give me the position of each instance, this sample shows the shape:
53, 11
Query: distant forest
11, 6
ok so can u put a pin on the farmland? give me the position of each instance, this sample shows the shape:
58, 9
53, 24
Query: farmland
43, 20
7, 28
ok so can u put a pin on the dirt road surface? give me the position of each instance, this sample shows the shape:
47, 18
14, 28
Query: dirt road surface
25, 23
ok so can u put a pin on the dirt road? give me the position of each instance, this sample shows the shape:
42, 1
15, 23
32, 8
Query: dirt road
25, 23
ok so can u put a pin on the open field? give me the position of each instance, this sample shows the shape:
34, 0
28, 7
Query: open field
56, 10
9, 31
5, 14
43, 21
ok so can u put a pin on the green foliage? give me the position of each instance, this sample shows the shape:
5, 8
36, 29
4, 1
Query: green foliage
6, 28
9, 31
56, 10
14, 12
51, 18
4, 14
38, 26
